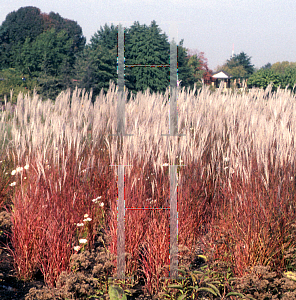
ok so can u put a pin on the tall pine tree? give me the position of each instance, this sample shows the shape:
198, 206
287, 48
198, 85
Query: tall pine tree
147, 46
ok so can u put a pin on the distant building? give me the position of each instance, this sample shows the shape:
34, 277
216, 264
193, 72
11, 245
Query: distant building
221, 76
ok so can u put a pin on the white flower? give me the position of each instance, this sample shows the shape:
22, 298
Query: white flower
82, 241
19, 169
165, 165
150, 200
26, 167
13, 172
80, 224
25, 177
86, 216
96, 200
87, 220
13, 184
226, 159
77, 248
102, 204
153, 201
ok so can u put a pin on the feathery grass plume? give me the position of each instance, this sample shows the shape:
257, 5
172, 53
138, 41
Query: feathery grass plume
230, 137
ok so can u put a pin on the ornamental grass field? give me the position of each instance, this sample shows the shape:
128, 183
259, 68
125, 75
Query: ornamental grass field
236, 190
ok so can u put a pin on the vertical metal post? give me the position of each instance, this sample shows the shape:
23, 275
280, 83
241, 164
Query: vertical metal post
120, 225
121, 94
173, 89
120, 134
173, 169
173, 223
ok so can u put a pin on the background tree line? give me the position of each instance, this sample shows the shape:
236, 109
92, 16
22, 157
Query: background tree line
49, 53
280, 74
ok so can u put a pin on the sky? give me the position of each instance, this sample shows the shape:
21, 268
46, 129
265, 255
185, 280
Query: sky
263, 29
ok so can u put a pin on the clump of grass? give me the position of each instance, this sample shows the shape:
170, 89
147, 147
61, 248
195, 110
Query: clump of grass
238, 154
45, 217
258, 228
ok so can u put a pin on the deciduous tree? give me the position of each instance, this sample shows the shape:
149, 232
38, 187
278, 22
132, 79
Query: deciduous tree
263, 78
199, 66
25, 25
